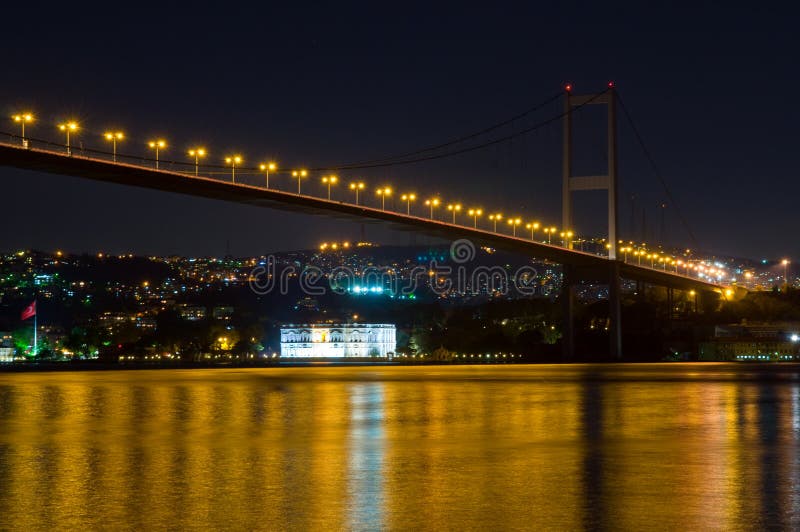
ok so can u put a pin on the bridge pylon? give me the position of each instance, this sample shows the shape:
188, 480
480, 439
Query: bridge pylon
608, 182
572, 183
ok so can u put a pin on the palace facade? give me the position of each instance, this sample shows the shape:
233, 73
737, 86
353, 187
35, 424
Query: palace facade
338, 340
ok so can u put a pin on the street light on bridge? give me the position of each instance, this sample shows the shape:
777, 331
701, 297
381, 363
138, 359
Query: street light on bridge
454, 208
22, 119
383, 192
68, 127
113, 137
299, 174
233, 160
356, 186
549, 231
267, 168
475, 213
197, 153
432, 203
329, 180
533, 226
495, 218
408, 198
514, 222
157, 145
785, 263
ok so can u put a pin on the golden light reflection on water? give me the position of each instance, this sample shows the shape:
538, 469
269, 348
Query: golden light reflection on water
561, 447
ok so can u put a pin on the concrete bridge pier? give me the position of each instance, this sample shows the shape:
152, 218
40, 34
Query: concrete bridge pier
570, 277
614, 311
568, 311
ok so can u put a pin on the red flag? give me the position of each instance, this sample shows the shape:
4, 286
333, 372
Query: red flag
29, 311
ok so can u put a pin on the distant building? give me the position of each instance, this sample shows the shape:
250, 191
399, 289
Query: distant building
753, 342
222, 313
6, 347
307, 303
351, 340
192, 313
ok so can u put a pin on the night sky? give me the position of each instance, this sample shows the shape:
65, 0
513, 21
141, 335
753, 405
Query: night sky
711, 89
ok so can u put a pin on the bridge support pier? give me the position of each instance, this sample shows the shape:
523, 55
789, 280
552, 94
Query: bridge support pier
568, 311
614, 311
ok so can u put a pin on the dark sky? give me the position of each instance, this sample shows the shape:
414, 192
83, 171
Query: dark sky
710, 86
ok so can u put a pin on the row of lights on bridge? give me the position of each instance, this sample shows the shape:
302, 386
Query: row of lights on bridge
357, 187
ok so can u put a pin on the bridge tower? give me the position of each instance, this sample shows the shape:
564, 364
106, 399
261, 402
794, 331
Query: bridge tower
571, 183
608, 182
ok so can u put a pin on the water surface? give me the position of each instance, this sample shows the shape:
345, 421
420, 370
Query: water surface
665, 446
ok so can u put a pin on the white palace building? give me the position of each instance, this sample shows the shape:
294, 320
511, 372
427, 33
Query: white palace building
326, 340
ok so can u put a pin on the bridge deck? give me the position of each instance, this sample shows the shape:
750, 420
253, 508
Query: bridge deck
589, 266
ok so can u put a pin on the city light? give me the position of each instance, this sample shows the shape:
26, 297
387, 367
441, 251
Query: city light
329, 180
494, 218
157, 145
22, 119
114, 137
533, 226
785, 263
408, 198
357, 186
475, 213
549, 232
267, 168
514, 223
299, 175
454, 208
383, 192
68, 127
432, 203
197, 153
233, 160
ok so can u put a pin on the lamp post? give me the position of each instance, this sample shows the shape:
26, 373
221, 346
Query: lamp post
329, 180
113, 137
157, 145
454, 208
514, 222
432, 203
475, 213
383, 192
566, 236
68, 127
267, 168
533, 226
22, 119
495, 218
785, 263
299, 174
408, 198
549, 232
233, 160
197, 153
356, 186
